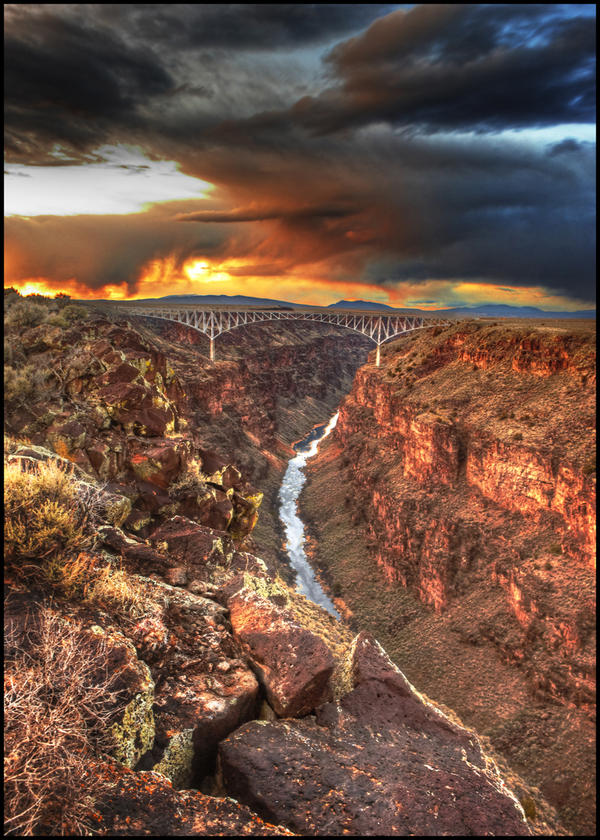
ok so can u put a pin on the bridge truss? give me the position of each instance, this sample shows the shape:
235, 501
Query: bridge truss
213, 322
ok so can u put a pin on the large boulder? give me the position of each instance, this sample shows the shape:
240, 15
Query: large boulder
379, 761
292, 663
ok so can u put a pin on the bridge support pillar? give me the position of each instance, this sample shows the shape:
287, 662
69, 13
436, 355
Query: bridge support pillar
378, 355
212, 349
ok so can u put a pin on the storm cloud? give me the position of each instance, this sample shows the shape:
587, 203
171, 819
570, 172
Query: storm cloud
366, 143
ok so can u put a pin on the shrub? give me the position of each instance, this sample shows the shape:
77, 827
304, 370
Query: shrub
116, 591
24, 384
517, 436
43, 514
55, 319
25, 314
72, 312
188, 483
59, 700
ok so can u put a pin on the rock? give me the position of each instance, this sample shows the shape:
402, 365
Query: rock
31, 454
293, 664
197, 549
204, 691
138, 409
380, 761
141, 804
176, 576
133, 731
158, 463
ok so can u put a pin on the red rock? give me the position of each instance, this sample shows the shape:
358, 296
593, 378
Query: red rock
176, 576
193, 545
158, 463
293, 664
145, 804
121, 373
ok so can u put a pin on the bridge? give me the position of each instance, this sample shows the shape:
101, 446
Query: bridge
213, 321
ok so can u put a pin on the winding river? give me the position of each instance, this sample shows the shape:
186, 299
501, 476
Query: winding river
289, 491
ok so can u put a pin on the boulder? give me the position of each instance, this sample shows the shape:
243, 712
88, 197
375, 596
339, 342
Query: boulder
140, 804
194, 547
133, 730
158, 463
292, 663
379, 761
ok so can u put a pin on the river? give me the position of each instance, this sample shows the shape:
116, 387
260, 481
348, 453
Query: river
289, 491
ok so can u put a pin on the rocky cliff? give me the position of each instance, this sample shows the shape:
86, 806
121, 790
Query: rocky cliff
464, 467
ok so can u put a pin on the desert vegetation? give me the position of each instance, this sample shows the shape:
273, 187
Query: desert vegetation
59, 699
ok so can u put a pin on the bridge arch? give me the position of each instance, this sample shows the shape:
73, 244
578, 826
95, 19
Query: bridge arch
213, 322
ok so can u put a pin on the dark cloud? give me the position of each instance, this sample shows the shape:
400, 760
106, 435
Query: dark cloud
65, 82
364, 177
487, 67
255, 214
250, 26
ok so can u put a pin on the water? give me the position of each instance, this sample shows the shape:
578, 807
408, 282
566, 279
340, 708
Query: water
292, 483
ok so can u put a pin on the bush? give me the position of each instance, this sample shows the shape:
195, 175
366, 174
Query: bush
73, 313
59, 701
55, 319
114, 590
24, 385
43, 514
25, 314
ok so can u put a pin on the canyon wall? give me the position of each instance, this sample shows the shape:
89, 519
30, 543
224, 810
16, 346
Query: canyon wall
463, 473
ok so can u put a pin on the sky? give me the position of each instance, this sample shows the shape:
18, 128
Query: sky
416, 155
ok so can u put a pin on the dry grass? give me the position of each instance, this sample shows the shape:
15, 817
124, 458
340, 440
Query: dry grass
116, 591
59, 700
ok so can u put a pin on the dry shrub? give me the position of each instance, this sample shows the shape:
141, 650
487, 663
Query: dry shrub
59, 701
25, 314
43, 515
26, 384
72, 312
47, 512
55, 319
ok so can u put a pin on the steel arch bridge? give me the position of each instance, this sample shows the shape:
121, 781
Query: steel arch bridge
214, 321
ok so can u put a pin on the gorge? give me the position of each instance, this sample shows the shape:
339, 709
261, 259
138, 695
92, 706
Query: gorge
238, 686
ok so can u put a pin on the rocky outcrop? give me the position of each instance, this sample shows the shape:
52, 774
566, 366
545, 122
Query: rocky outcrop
466, 465
378, 757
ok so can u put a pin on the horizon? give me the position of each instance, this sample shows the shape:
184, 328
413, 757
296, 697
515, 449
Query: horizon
421, 157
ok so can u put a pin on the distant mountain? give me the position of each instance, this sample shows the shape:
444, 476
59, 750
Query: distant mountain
360, 304
486, 310
224, 300
489, 310
503, 310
